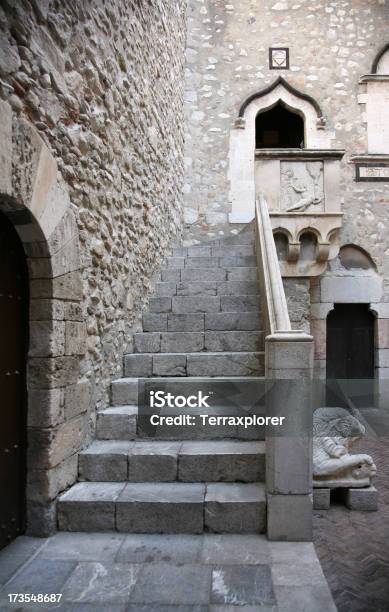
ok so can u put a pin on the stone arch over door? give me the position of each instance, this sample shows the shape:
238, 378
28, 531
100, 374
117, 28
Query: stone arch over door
242, 141
34, 198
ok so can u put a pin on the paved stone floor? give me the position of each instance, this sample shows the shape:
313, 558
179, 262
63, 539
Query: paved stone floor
353, 547
113, 572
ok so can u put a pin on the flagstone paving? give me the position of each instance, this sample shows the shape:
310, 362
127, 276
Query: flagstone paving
113, 572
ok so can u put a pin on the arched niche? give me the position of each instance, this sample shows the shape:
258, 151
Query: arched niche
34, 198
243, 135
381, 61
375, 91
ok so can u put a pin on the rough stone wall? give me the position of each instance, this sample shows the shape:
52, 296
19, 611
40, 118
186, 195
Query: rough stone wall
332, 44
103, 83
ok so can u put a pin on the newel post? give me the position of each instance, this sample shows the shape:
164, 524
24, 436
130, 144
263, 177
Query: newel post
289, 371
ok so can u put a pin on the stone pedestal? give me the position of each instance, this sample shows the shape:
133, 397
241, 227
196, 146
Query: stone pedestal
321, 499
364, 500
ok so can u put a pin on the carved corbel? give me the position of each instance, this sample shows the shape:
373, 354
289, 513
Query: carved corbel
240, 123
293, 251
323, 251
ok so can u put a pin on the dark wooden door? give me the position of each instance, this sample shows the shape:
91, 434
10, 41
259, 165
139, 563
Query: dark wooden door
13, 343
350, 342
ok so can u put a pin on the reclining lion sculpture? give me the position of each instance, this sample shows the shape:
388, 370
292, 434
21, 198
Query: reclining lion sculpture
334, 432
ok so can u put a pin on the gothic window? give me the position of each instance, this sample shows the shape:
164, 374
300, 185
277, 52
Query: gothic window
279, 128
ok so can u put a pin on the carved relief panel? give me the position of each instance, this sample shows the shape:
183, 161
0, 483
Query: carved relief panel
302, 186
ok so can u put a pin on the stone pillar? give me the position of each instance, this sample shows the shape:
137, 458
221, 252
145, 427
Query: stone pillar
289, 362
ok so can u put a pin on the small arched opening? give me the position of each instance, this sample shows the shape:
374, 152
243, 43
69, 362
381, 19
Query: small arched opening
282, 245
279, 128
308, 249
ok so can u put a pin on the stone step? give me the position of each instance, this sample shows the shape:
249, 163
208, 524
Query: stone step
163, 507
204, 288
124, 391
123, 423
218, 249
225, 260
206, 303
194, 322
214, 341
194, 364
157, 461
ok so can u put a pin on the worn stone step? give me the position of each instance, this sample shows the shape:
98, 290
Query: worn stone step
161, 461
214, 341
163, 507
242, 274
189, 275
205, 288
194, 322
119, 420
124, 391
194, 364
217, 248
208, 303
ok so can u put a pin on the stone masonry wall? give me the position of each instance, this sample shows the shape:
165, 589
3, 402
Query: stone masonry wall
102, 81
332, 44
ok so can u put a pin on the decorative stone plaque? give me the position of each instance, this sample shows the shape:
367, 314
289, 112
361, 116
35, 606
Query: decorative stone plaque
279, 58
302, 186
372, 172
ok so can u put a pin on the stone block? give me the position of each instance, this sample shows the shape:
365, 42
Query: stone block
238, 288
47, 338
235, 549
382, 358
242, 274
289, 517
153, 461
382, 334
363, 500
45, 407
160, 508
179, 342
321, 499
109, 586
41, 519
199, 250
185, 322
226, 461
43, 486
289, 457
319, 333
48, 447
196, 288
137, 365
89, 506
238, 261
73, 311
175, 262
165, 289
190, 304
232, 341
77, 399
118, 423
226, 321
160, 304
209, 275
104, 461
47, 310
225, 364
153, 322
75, 338
351, 289
171, 276
235, 508
169, 364
201, 262
245, 303
176, 588
236, 250
124, 391
50, 372
147, 342
179, 252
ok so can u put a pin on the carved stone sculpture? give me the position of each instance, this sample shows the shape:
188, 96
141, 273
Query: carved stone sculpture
301, 186
334, 431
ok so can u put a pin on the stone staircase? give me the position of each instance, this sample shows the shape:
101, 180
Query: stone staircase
203, 324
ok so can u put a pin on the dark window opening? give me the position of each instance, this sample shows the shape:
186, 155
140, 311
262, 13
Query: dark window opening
279, 128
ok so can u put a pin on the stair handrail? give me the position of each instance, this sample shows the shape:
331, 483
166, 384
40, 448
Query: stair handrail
273, 293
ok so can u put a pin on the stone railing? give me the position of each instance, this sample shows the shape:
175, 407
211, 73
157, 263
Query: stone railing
288, 369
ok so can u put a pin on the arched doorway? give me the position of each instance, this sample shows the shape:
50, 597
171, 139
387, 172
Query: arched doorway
350, 342
279, 128
13, 357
